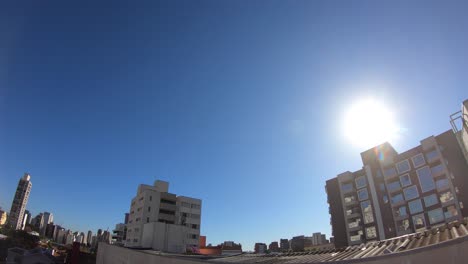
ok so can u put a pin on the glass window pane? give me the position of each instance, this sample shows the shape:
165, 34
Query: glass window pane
382, 187
411, 192
415, 206
435, 216
347, 187
405, 180
450, 211
389, 172
349, 199
446, 197
432, 155
430, 200
397, 198
401, 211
442, 183
403, 225
371, 232
363, 194
403, 166
393, 186
418, 160
361, 182
425, 179
419, 222
437, 169
366, 208
385, 198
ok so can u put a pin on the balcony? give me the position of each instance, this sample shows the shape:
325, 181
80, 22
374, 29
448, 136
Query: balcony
353, 215
166, 217
166, 206
355, 226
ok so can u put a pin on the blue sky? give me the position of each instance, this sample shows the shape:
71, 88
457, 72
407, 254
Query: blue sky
238, 103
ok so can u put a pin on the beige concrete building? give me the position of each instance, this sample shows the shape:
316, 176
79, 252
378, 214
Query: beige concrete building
163, 221
20, 201
3, 217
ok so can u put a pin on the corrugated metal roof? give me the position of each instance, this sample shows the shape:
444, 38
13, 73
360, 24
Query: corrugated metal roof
429, 238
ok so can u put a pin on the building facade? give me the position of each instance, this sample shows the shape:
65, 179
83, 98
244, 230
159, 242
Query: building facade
260, 248
3, 217
162, 220
20, 201
399, 193
284, 244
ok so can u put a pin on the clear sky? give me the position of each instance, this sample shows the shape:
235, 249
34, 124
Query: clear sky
239, 103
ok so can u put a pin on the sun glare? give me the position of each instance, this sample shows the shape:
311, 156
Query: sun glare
368, 123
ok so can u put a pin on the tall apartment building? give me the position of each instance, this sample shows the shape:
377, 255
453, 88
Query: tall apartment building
399, 193
20, 201
48, 218
163, 221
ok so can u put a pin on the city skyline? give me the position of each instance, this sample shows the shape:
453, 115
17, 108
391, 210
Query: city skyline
238, 105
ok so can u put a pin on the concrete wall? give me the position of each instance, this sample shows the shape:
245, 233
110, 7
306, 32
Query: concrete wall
109, 254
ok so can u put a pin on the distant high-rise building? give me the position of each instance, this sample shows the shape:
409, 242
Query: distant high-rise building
27, 219
38, 221
297, 243
273, 247
48, 218
318, 239
172, 221
89, 238
260, 248
20, 201
284, 244
83, 235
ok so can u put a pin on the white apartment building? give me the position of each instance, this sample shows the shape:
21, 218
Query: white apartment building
20, 201
163, 221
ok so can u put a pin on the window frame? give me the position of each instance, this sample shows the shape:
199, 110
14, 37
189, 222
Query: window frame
417, 156
412, 187
409, 179
429, 177
419, 209
406, 161
359, 178
362, 191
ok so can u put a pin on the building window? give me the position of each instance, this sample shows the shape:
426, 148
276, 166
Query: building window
405, 180
361, 182
151, 198
446, 197
349, 199
415, 206
389, 172
378, 174
435, 216
393, 186
403, 225
437, 169
363, 194
401, 211
138, 219
382, 186
149, 208
397, 198
195, 216
418, 160
411, 193
450, 211
430, 200
194, 226
432, 155
147, 219
419, 222
425, 179
403, 166
371, 232
195, 206
344, 187
184, 204
385, 198
442, 184
367, 212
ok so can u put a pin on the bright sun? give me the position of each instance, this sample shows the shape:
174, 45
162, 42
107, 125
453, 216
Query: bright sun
368, 123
